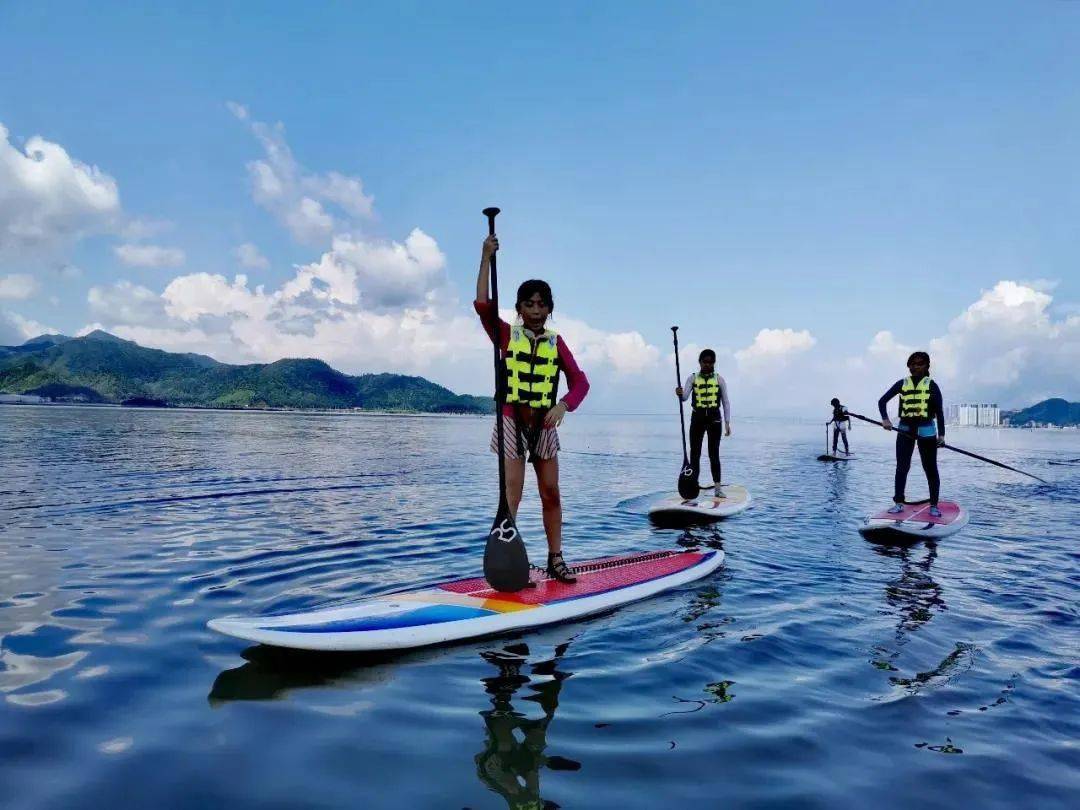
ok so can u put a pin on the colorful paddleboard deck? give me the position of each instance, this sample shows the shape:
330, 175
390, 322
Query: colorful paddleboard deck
915, 523
705, 507
469, 608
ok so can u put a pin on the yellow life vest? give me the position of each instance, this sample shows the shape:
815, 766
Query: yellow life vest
532, 368
706, 391
915, 399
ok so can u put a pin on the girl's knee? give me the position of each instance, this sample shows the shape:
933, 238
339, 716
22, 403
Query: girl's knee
549, 494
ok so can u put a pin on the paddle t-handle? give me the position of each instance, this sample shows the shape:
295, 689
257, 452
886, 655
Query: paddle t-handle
491, 213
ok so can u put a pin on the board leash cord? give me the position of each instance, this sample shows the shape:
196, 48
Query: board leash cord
604, 565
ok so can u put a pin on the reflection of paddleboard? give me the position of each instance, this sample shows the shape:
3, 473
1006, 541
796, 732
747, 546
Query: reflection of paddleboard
915, 523
840, 457
470, 608
704, 507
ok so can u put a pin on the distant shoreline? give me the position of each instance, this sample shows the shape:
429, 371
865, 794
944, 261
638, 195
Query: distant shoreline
382, 412
201, 408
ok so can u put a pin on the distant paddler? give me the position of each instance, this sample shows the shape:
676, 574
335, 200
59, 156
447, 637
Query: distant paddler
710, 414
841, 423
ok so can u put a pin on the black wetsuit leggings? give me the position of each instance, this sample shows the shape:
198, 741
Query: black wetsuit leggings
905, 447
702, 422
837, 435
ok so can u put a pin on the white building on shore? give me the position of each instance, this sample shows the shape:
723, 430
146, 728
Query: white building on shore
974, 415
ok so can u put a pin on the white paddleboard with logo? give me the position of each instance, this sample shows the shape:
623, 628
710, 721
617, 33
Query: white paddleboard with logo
706, 506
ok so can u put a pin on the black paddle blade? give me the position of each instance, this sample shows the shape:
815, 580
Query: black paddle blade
688, 485
506, 563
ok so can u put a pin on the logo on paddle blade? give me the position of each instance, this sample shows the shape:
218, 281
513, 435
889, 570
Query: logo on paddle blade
505, 531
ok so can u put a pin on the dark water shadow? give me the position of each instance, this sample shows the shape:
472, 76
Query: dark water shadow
515, 744
915, 598
272, 672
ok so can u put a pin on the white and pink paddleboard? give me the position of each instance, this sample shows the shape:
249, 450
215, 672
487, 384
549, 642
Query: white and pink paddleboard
705, 507
469, 608
915, 523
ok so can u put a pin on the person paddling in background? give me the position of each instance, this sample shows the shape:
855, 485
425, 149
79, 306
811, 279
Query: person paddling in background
708, 391
841, 423
535, 357
922, 422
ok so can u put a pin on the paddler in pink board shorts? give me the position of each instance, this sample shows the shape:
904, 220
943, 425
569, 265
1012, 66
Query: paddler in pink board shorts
922, 423
535, 357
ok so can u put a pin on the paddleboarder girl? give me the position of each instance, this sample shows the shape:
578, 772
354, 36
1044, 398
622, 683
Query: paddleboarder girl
841, 423
535, 357
922, 423
708, 391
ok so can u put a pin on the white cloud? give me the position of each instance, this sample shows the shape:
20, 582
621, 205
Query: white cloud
47, 198
626, 353
774, 348
323, 312
384, 274
249, 256
15, 329
297, 198
189, 298
125, 302
136, 230
149, 256
1007, 346
17, 287
239, 110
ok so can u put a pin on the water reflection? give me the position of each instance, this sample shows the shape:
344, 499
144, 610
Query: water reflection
692, 538
270, 673
916, 598
515, 746
914, 595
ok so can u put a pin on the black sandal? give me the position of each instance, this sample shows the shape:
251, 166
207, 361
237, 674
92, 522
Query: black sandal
558, 569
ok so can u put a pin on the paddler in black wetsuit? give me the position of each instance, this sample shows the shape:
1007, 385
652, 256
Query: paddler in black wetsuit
922, 423
841, 423
708, 392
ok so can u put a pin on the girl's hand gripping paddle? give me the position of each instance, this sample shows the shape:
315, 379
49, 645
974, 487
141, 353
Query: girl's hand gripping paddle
688, 484
506, 563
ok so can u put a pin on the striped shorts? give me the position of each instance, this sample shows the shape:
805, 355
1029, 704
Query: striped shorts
547, 447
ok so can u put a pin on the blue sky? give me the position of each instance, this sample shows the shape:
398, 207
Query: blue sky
829, 171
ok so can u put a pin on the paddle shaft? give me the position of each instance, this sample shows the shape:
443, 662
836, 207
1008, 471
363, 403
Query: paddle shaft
679, 382
955, 449
500, 369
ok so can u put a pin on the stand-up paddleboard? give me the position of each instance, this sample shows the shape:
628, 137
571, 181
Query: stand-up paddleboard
469, 608
704, 507
837, 457
915, 523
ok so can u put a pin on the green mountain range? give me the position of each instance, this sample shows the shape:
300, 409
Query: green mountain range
1050, 411
100, 367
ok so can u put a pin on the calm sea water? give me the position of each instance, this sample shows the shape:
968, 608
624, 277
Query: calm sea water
813, 670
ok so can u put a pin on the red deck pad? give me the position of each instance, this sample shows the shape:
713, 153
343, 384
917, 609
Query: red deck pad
920, 513
592, 582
